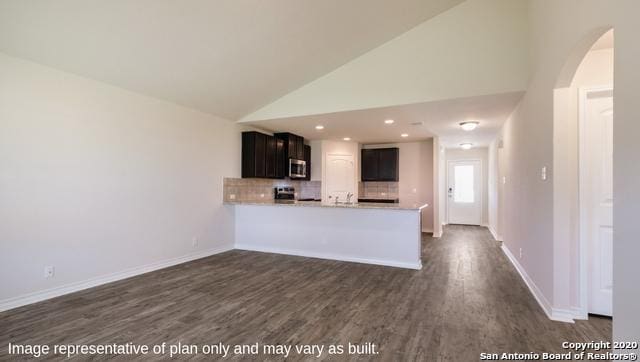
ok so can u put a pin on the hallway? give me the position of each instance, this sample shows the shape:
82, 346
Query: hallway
466, 300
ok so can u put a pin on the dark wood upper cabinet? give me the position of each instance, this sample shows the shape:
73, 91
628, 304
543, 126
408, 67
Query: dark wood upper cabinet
254, 149
264, 156
293, 144
271, 164
281, 160
380, 164
369, 165
307, 159
301, 147
388, 164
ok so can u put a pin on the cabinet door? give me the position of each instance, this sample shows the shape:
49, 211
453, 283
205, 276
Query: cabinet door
369, 167
300, 147
307, 158
270, 157
388, 164
281, 159
260, 154
292, 147
248, 154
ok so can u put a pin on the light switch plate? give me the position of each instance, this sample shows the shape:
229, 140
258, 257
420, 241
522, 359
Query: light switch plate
543, 174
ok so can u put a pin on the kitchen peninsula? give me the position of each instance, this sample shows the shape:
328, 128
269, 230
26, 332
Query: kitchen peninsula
371, 233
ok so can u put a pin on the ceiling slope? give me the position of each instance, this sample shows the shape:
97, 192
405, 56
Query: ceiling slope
420, 121
477, 48
225, 57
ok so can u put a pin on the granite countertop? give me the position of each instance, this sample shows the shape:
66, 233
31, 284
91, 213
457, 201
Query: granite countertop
363, 205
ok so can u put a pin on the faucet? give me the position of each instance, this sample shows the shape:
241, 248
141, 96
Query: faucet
349, 196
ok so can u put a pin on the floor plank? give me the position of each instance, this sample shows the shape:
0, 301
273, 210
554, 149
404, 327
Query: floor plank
467, 299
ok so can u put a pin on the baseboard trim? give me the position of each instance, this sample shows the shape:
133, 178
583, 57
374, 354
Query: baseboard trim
35, 297
439, 233
396, 264
494, 234
427, 230
554, 314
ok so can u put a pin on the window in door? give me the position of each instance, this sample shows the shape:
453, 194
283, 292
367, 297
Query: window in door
463, 184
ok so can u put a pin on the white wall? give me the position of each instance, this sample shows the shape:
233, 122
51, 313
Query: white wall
476, 153
478, 47
316, 160
96, 180
492, 191
416, 176
441, 177
558, 28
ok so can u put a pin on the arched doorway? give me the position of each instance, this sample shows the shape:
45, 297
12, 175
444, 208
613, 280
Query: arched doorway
583, 121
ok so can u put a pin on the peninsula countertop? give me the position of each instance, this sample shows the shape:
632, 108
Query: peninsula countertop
362, 205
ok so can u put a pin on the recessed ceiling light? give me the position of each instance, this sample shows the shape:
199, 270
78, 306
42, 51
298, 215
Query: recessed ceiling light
347, 139
404, 135
319, 127
389, 121
469, 126
466, 146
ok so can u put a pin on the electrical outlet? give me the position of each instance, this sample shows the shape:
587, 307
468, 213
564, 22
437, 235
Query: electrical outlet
49, 272
194, 241
232, 196
262, 196
543, 173
504, 180
520, 253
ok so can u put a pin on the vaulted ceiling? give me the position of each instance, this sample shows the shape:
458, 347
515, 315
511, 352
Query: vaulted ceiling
225, 57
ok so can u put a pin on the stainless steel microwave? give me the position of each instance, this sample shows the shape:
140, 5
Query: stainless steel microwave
297, 168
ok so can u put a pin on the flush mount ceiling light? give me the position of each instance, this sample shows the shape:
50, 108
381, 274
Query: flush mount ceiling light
469, 126
347, 139
389, 121
404, 135
319, 127
466, 146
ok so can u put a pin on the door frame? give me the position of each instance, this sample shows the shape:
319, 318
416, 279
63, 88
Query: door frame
584, 198
446, 186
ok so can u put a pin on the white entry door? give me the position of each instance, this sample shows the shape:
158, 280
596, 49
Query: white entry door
464, 192
340, 176
597, 196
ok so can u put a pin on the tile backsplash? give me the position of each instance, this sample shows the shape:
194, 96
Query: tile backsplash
256, 189
378, 190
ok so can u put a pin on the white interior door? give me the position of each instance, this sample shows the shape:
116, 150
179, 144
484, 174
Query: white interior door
464, 192
340, 176
597, 206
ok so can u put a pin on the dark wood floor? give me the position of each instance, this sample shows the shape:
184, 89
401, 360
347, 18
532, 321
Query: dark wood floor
467, 299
